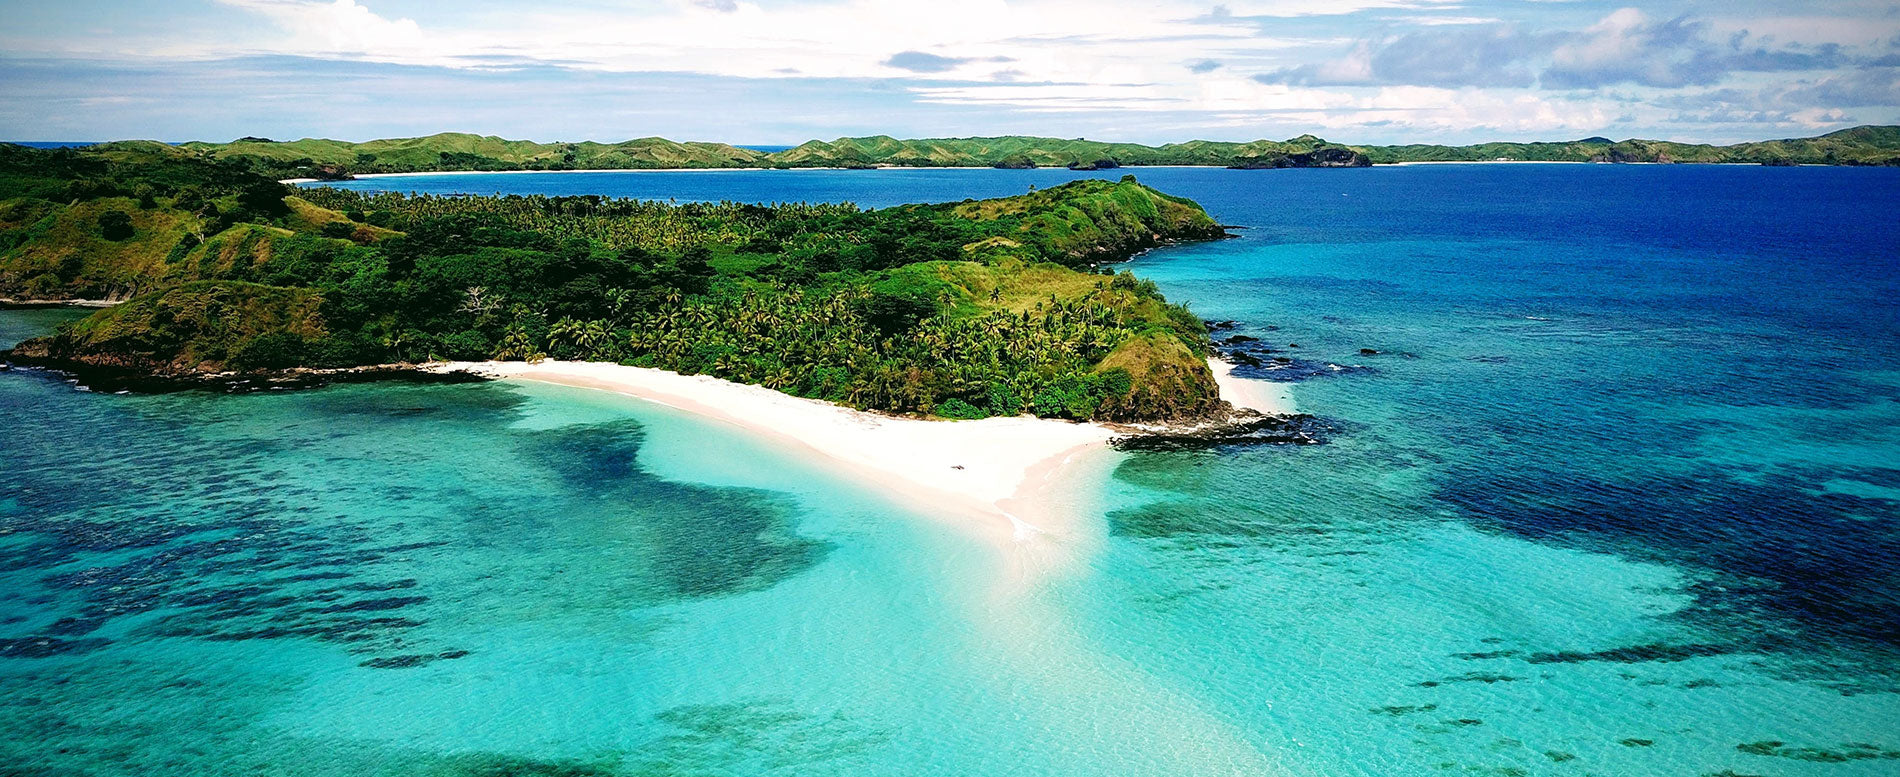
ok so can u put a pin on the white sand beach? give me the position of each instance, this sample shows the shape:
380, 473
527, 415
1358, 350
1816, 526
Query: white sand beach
997, 471
961, 467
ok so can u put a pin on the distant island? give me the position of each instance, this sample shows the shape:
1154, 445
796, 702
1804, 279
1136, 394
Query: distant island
961, 310
332, 159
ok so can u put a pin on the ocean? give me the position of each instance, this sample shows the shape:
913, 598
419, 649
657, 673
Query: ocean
1611, 487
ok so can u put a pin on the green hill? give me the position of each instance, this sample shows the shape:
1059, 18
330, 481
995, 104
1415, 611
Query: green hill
452, 151
1041, 152
990, 307
1868, 145
455, 151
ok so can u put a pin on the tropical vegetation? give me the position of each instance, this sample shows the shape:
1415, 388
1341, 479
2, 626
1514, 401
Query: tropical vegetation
961, 310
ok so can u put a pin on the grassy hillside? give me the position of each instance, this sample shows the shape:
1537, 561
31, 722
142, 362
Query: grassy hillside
959, 309
457, 151
1089, 220
195, 326
460, 151
1860, 145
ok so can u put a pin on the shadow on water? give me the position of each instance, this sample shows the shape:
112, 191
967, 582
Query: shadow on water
1779, 567
322, 516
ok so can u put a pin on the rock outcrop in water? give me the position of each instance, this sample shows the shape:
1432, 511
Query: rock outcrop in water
1242, 428
1330, 156
1253, 358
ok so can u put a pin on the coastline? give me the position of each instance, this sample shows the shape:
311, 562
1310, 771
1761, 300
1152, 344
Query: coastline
1131, 168
1249, 394
967, 469
363, 176
999, 478
366, 176
96, 304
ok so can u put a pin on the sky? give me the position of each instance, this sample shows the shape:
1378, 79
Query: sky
784, 71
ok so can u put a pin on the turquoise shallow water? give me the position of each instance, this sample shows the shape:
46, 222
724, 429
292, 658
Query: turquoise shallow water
1615, 497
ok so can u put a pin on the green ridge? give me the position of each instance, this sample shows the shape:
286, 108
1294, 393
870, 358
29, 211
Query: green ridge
1870, 145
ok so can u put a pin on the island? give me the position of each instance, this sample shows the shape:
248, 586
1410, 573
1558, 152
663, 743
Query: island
320, 159
967, 310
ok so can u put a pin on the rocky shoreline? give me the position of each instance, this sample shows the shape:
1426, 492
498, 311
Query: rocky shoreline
93, 304
1255, 358
117, 380
1243, 428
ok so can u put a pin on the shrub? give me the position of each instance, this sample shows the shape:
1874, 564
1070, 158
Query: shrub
115, 225
893, 312
271, 351
957, 408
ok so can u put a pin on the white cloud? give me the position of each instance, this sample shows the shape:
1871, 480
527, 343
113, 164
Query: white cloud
1146, 58
338, 27
1241, 101
1044, 40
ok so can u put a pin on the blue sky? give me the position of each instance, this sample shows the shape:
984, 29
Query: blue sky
777, 71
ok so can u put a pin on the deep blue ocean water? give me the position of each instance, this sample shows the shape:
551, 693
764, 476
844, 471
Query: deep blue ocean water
1616, 494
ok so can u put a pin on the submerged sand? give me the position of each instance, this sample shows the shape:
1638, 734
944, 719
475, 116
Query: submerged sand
996, 476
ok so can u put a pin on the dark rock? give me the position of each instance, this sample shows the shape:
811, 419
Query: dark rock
1332, 156
1240, 339
1298, 429
1263, 365
1368, 352
109, 379
1325, 156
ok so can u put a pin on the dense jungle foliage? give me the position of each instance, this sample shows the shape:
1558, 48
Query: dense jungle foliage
961, 310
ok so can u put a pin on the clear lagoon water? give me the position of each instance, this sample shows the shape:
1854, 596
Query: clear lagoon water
1616, 495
